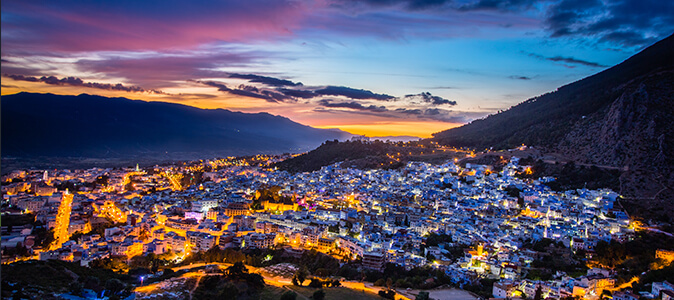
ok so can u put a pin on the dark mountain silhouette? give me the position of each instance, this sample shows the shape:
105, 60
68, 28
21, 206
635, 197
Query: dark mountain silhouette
98, 127
622, 117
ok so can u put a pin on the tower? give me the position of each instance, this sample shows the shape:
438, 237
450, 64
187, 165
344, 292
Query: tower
45, 176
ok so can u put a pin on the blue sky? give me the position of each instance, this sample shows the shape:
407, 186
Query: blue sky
377, 67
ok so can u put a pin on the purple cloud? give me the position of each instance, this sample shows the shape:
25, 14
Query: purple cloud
426, 97
74, 81
352, 93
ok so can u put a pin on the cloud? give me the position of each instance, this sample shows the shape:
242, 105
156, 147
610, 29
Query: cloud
249, 91
352, 93
569, 60
435, 114
438, 114
500, 5
352, 105
442, 88
623, 22
74, 81
407, 4
265, 80
161, 69
71, 25
426, 97
519, 77
304, 94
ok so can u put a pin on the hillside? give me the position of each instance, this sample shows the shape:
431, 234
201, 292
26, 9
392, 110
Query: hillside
86, 126
546, 119
367, 155
621, 117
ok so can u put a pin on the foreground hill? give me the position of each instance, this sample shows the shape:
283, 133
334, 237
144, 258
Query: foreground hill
367, 155
622, 117
89, 126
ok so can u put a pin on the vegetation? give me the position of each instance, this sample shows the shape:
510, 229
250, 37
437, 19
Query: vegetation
318, 295
338, 293
40, 277
634, 257
571, 176
362, 155
289, 295
482, 288
434, 239
553, 256
236, 283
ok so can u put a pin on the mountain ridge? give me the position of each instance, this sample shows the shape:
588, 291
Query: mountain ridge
101, 127
621, 117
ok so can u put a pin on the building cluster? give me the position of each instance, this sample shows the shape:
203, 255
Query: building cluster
380, 216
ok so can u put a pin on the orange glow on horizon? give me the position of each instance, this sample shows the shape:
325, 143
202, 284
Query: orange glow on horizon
371, 126
394, 128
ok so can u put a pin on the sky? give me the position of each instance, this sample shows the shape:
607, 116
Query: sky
372, 67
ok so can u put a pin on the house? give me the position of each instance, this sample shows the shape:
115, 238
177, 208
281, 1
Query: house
374, 260
503, 289
658, 287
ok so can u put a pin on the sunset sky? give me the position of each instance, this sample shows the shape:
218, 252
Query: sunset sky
375, 67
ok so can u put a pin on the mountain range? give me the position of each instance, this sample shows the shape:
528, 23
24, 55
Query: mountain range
88, 126
621, 118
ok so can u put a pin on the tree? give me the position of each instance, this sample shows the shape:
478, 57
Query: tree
315, 283
229, 291
76, 288
539, 293
289, 295
114, 286
237, 270
423, 295
389, 283
300, 276
319, 295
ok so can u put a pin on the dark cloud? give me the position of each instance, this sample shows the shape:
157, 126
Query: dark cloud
352, 105
408, 111
426, 97
568, 60
223, 88
250, 91
74, 81
501, 5
519, 77
623, 22
352, 93
408, 4
436, 114
265, 80
304, 94
278, 96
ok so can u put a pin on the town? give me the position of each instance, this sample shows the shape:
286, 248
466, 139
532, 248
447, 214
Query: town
484, 222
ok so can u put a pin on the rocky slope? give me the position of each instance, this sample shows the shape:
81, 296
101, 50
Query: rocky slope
620, 118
